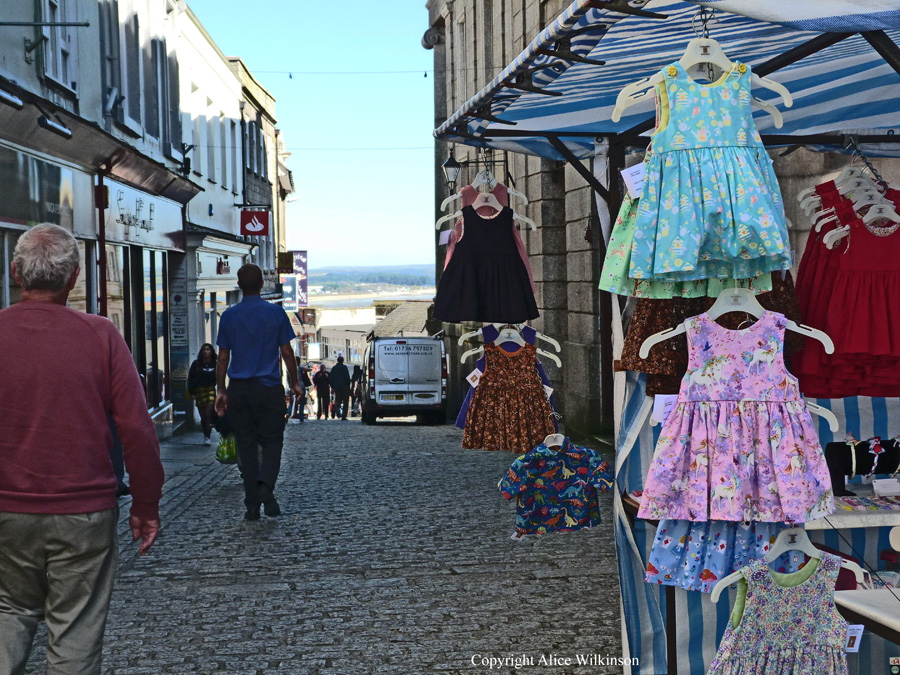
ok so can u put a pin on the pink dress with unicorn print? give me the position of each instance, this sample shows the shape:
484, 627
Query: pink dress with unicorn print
740, 444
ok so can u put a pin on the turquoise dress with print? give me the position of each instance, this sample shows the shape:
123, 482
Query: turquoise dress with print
711, 206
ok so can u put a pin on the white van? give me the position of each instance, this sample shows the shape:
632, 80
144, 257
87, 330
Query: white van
405, 376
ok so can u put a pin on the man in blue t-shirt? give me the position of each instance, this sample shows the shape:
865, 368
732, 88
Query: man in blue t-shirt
251, 335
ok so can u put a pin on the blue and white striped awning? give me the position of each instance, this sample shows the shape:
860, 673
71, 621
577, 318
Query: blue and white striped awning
844, 88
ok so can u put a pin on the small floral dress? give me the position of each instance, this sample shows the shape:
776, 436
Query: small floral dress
509, 409
739, 444
710, 206
785, 624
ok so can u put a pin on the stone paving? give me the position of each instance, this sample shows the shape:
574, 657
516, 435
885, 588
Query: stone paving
393, 555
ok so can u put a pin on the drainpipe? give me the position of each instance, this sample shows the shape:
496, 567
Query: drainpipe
102, 198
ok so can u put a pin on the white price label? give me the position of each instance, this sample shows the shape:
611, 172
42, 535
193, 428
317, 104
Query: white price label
474, 377
663, 404
854, 635
444, 238
548, 391
634, 179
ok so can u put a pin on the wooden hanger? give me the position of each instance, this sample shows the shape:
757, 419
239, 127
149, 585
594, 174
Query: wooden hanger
735, 300
791, 539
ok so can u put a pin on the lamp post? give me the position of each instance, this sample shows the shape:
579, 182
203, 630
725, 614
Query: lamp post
451, 169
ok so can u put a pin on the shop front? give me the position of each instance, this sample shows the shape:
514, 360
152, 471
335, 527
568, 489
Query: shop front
144, 251
36, 190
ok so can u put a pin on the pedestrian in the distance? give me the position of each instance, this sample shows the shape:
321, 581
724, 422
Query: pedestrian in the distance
340, 383
356, 390
201, 386
322, 384
252, 335
59, 542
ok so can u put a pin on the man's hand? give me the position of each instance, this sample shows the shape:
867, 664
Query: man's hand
297, 389
145, 530
221, 402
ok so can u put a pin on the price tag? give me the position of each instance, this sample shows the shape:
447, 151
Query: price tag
548, 391
886, 487
854, 635
663, 404
444, 239
634, 179
474, 377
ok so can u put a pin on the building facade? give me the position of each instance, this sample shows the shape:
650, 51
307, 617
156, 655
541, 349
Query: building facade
126, 129
472, 41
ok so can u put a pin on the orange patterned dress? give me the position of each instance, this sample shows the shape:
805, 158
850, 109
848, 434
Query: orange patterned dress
509, 409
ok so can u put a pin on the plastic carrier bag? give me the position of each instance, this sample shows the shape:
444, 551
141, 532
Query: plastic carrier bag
226, 451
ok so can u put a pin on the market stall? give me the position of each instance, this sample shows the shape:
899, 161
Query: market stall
841, 66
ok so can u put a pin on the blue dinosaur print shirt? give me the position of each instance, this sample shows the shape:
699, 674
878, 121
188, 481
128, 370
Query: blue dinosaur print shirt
556, 490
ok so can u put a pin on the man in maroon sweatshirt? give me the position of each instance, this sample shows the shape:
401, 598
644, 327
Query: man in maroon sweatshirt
61, 373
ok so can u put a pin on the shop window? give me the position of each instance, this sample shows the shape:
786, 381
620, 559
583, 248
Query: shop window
9, 289
154, 362
118, 290
79, 298
60, 46
234, 157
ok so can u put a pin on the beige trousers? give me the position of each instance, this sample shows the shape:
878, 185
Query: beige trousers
59, 568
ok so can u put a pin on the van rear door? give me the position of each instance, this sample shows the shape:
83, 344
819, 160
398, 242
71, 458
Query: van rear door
391, 372
425, 372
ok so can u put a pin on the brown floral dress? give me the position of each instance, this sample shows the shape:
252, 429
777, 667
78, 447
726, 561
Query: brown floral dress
509, 409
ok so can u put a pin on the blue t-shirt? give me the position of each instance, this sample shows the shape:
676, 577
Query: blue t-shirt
254, 331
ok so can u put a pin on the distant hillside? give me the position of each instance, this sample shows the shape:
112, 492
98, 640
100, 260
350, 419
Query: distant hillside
399, 275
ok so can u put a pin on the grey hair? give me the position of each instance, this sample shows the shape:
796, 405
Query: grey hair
46, 256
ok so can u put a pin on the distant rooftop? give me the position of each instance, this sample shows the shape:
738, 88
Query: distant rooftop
407, 319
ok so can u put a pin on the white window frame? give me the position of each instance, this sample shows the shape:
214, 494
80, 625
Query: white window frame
223, 148
211, 141
61, 41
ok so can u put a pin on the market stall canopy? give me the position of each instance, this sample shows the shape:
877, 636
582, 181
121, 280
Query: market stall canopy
563, 87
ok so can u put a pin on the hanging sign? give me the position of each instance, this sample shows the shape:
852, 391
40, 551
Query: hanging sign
300, 272
255, 223
289, 293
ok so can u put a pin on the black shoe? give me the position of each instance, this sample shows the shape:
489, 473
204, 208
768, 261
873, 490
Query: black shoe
123, 491
270, 504
252, 513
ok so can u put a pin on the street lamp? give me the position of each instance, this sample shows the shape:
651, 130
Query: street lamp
451, 169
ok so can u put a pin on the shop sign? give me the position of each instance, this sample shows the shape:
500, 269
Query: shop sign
300, 267
289, 293
314, 351
255, 223
33, 191
136, 217
222, 266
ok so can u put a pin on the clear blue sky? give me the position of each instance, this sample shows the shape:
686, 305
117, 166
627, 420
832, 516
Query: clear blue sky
354, 205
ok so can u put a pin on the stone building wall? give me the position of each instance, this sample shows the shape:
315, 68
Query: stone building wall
478, 38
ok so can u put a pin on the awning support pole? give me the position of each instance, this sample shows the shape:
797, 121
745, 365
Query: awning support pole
578, 166
882, 44
793, 55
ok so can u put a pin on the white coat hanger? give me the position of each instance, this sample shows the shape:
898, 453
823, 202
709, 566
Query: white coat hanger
554, 440
525, 221
517, 195
833, 237
487, 199
510, 335
484, 177
701, 50
791, 539
825, 414
552, 357
451, 198
736, 300
822, 218
545, 338
444, 219
471, 352
883, 210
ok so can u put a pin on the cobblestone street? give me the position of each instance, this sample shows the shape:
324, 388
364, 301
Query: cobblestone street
393, 555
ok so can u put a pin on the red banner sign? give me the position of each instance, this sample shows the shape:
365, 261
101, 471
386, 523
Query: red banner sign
255, 223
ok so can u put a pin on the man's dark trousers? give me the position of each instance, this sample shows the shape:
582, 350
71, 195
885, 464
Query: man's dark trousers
342, 401
258, 415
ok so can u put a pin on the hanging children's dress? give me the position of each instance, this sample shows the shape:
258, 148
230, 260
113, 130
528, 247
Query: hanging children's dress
710, 206
739, 444
468, 197
784, 623
556, 488
509, 409
695, 556
489, 333
486, 279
